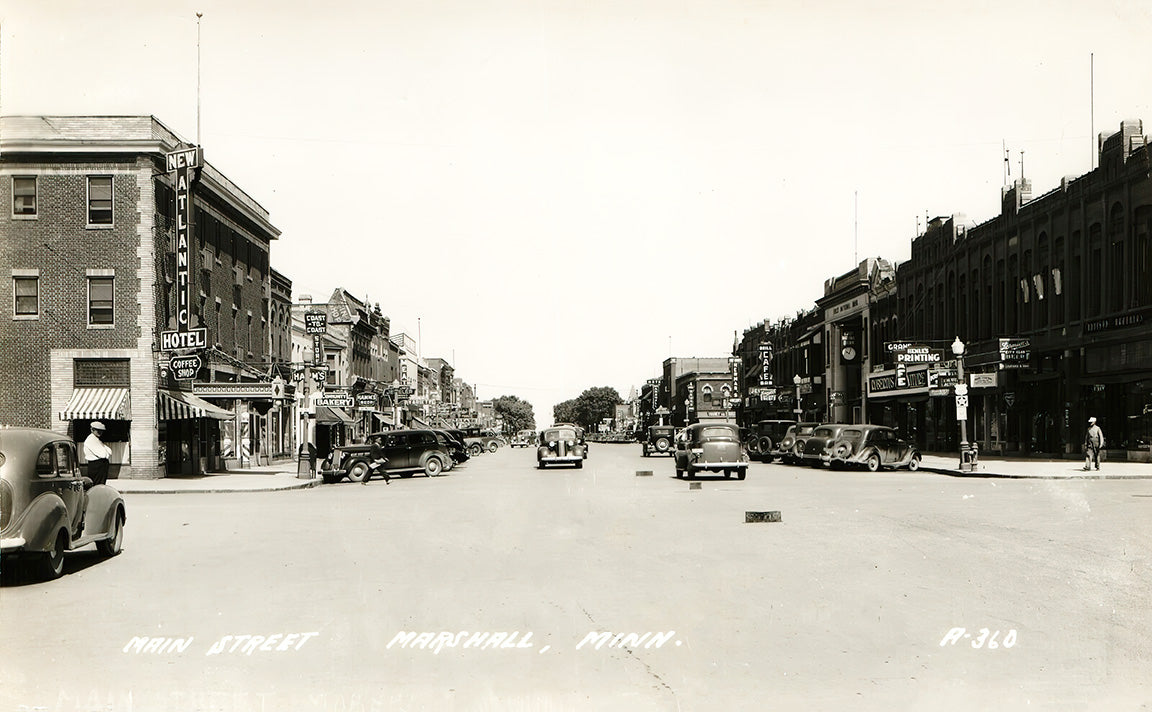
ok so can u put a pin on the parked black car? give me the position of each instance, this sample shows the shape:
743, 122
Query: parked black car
765, 436
454, 445
407, 452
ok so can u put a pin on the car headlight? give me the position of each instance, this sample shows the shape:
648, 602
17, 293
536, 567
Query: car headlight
552, 443
786, 443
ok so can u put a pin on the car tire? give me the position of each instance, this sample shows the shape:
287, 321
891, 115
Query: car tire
690, 471
111, 546
914, 463
764, 445
662, 444
741, 473
873, 463
579, 464
727, 473
475, 449
433, 466
359, 471
51, 564
539, 464
493, 446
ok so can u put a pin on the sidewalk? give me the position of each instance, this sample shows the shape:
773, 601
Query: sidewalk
267, 478
1028, 468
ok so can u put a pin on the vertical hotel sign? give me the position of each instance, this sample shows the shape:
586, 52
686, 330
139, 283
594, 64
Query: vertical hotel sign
183, 163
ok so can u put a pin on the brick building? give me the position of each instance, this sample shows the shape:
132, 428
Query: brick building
89, 247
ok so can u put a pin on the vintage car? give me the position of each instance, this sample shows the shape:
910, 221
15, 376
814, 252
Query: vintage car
659, 440
48, 507
765, 436
561, 444
872, 447
524, 438
791, 447
818, 446
407, 452
479, 440
454, 446
714, 447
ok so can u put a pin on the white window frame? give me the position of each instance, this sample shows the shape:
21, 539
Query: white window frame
88, 202
100, 274
18, 274
35, 198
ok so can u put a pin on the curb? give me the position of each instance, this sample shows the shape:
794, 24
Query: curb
994, 475
225, 490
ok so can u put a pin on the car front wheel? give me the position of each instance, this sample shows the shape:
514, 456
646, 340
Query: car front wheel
493, 446
914, 463
475, 449
433, 466
873, 463
358, 472
111, 545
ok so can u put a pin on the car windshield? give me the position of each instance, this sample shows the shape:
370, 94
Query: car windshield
661, 431
560, 434
823, 433
717, 431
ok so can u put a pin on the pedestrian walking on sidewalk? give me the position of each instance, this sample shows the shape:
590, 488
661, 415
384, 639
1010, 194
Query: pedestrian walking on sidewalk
1093, 442
97, 454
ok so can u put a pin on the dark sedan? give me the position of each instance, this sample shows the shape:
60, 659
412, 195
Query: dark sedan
714, 447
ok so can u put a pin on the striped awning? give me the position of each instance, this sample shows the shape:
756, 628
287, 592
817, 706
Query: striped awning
329, 414
97, 404
178, 405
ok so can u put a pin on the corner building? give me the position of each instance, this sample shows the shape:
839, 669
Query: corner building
88, 250
1053, 301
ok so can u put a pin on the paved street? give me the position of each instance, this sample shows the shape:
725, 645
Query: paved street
855, 600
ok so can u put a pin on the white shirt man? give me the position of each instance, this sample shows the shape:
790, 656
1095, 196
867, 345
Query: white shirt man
97, 454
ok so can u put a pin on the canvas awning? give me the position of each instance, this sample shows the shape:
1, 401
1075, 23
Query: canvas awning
326, 414
384, 418
179, 405
97, 404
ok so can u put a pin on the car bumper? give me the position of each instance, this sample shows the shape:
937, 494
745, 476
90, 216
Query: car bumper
15, 543
718, 465
566, 458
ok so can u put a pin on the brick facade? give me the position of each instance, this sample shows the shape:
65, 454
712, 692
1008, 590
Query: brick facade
60, 248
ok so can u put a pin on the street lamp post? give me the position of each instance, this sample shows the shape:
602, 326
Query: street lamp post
797, 410
962, 405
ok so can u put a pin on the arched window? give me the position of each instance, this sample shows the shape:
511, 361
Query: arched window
706, 396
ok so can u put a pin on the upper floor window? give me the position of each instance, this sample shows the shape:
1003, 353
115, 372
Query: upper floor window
26, 290
24, 196
101, 293
99, 200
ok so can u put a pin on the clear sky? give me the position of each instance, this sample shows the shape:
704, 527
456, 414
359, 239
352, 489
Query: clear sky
559, 194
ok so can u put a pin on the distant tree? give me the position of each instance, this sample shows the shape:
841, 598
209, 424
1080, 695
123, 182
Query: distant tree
589, 408
564, 412
516, 413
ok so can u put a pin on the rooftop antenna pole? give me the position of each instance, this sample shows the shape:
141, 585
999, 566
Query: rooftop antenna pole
855, 226
1021, 165
198, 16
1007, 165
1092, 107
